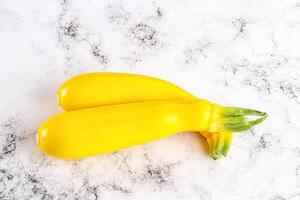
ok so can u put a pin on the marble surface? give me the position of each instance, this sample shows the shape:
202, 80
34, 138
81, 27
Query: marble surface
236, 52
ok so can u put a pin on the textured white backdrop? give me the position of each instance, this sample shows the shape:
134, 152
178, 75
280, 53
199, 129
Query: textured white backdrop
236, 52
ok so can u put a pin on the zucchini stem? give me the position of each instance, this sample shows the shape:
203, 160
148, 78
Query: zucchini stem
235, 119
219, 143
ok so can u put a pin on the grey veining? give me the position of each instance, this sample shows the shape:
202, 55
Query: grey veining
236, 52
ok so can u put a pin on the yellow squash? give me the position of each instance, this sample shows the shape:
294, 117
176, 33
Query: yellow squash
99, 89
93, 131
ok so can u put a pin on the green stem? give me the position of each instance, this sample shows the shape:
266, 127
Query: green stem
219, 144
235, 118
226, 120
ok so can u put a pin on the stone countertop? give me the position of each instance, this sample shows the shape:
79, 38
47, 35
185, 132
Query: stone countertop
236, 52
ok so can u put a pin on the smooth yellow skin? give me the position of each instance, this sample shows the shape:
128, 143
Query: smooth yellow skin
93, 131
99, 89
145, 109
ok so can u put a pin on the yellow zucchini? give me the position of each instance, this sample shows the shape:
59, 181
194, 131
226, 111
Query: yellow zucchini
93, 131
102, 88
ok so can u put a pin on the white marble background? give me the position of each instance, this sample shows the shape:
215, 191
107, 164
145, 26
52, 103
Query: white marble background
235, 52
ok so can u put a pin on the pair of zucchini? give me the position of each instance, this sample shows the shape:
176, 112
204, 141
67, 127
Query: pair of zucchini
107, 112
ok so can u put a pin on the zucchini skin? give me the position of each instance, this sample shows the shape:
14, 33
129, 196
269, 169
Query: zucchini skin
100, 89
93, 131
